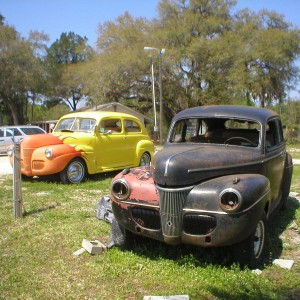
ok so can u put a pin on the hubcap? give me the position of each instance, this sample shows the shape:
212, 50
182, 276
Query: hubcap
259, 238
145, 160
75, 172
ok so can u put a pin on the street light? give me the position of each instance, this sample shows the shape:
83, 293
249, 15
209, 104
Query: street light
160, 52
154, 101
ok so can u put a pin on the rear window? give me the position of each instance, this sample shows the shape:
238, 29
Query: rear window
32, 130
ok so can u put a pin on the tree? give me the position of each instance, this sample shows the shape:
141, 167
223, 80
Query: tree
270, 48
120, 71
65, 55
212, 57
19, 72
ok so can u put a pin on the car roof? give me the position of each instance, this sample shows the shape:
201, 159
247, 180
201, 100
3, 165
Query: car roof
243, 112
21, 126
98, 114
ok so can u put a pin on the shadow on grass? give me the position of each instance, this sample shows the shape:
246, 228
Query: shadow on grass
55, 178
39, 210
220, 256
278, 225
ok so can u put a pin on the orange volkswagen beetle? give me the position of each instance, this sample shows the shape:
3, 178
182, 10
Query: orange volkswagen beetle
87, 143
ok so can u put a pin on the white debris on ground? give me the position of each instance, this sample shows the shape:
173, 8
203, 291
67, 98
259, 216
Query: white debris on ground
175, 297
284, 263
79, 252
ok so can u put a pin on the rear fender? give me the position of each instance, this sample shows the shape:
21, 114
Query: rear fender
144, 146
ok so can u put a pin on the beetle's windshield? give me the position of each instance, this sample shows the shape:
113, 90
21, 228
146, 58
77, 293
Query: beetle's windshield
75, 124
216, 131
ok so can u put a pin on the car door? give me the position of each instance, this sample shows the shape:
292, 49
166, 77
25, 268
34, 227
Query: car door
275, 157
133, 134
111, 150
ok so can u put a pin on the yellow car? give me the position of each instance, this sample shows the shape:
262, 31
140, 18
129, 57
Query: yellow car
87, 143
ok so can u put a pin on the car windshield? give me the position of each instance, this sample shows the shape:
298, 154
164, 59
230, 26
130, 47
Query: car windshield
216, 131
75, 124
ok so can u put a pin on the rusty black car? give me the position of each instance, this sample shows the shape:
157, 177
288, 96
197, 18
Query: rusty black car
222, 173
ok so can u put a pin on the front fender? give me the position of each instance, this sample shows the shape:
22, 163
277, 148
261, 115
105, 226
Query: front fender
253, 188
61, 156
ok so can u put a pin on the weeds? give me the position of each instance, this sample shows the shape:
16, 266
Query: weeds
36, 260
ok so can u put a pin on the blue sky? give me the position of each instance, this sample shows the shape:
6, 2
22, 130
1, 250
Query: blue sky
83, 16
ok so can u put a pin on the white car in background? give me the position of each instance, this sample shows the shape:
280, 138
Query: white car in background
9, 134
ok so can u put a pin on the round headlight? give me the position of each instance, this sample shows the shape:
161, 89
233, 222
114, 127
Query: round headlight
230, 200
48, 152
120, 189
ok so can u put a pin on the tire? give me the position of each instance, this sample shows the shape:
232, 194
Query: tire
250, 252
145, 159
74, 172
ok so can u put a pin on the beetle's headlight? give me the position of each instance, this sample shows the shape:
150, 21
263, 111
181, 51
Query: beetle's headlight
230, 200
48, 152
120, 189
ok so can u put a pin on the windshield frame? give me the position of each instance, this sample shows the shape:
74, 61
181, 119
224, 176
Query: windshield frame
75, 124
231, 131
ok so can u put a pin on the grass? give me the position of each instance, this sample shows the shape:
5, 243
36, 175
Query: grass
36, 260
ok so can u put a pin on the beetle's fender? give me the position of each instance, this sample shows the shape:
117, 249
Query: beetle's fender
252, 190
61, 155
144, 146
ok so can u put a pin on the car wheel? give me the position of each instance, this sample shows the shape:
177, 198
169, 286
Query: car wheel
145, 159
250, 252
74, 172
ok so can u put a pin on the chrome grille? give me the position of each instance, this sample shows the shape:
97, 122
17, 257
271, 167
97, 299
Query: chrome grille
171, 204
27, 153
199, 224
147, 218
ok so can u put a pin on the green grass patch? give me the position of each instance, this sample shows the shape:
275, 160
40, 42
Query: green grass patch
36, 260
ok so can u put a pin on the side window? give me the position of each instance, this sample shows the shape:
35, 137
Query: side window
110, 125
87, 124
131, 126
274, 135
1, 132
185, 130
13, 132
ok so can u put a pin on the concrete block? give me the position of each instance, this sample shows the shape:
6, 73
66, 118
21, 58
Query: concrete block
93, 247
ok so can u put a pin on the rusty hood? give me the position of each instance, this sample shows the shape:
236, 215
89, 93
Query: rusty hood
190, 164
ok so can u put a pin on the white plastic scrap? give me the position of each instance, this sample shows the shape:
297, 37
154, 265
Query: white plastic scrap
174, 297
79, 252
